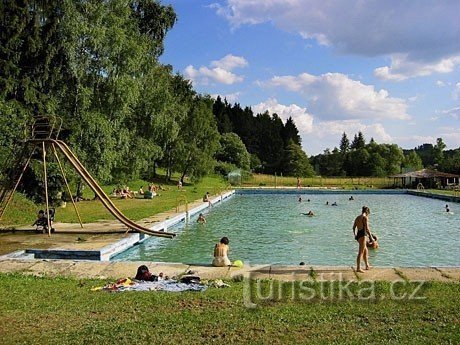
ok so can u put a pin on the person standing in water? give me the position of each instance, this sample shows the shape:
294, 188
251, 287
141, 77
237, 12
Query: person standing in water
362, 224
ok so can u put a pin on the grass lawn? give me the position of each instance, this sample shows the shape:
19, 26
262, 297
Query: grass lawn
23, 211
66, 311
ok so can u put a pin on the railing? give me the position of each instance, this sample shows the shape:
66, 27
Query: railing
46, 127
181, 200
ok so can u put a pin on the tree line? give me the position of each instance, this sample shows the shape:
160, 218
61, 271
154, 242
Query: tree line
358, 158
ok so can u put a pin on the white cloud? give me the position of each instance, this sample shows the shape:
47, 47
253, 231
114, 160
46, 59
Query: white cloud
440, 83
316, 136
402, 68
336, 128
453, 112
368, 28
219, 72
230, 97
334, 96
327, 134
301, 117
230, 62
450, 135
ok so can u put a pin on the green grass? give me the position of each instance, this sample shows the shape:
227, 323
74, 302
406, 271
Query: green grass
342, 182
66, 311
23, 212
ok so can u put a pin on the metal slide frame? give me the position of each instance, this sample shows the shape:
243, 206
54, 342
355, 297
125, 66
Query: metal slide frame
106, 202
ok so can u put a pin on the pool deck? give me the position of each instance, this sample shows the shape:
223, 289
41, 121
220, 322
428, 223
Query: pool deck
99, 241
117, 269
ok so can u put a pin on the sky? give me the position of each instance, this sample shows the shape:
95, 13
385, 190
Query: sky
390, 69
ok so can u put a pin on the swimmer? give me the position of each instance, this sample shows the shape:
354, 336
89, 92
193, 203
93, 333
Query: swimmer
351, 198
327, 202
362, 224
308, 200
309, 214
300, 199
201, 219
334, 204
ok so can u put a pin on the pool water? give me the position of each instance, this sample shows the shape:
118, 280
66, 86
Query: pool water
270, 228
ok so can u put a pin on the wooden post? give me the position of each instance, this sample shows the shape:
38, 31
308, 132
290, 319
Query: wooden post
46, 190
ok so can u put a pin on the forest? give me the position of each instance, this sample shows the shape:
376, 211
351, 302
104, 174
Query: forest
95, 64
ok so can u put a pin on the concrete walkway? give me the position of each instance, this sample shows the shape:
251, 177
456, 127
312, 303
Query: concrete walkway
118, 269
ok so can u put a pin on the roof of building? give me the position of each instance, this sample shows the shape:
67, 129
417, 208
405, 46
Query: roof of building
426, 173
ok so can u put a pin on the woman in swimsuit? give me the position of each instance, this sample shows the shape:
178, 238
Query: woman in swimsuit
362, 224
220, 253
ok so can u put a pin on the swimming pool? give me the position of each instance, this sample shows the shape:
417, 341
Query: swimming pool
269, 228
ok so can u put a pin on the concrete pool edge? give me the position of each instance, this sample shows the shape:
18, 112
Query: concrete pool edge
86, 269
334, 190
109, 251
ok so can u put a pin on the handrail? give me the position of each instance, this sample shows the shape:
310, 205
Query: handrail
180, 198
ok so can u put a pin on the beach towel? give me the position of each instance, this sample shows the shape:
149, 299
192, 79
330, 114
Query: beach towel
169, 285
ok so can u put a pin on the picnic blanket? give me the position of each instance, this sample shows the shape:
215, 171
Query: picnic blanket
170, 285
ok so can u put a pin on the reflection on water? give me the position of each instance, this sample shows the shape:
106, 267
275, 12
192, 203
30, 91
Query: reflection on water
413, 231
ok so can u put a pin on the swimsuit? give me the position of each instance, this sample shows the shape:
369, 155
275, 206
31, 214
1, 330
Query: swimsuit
361, 233
221, 261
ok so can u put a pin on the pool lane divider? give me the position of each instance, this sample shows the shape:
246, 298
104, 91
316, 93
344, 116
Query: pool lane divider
111, 250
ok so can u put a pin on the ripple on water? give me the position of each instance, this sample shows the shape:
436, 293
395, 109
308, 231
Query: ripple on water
413, 231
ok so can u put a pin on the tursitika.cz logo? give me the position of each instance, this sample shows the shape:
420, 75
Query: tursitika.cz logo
259, 291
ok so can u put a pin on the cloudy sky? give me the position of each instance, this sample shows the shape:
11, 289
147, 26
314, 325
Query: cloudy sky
390, 69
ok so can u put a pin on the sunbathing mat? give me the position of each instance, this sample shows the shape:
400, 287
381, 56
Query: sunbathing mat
170, 285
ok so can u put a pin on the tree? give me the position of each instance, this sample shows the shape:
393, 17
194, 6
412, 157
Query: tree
439, 151
358, 141
412, 161
290, 132
377, 165
344, 144
296, 162
358, 163
233, 150
198, 140
220, 111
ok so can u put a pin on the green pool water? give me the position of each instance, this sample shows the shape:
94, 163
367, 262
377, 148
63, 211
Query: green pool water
269, 228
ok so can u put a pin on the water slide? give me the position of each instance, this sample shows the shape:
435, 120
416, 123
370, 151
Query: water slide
108, 204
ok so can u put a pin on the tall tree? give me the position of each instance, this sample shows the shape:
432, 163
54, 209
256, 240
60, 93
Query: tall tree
233, 150
358, 141
344, 144
296, 161
198, 140
439, 151
290, 133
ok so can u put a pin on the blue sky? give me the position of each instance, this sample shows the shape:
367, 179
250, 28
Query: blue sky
390, 69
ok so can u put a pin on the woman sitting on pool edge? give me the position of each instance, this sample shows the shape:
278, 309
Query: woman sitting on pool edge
220, 253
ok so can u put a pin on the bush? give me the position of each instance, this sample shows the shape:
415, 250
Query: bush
224, 168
